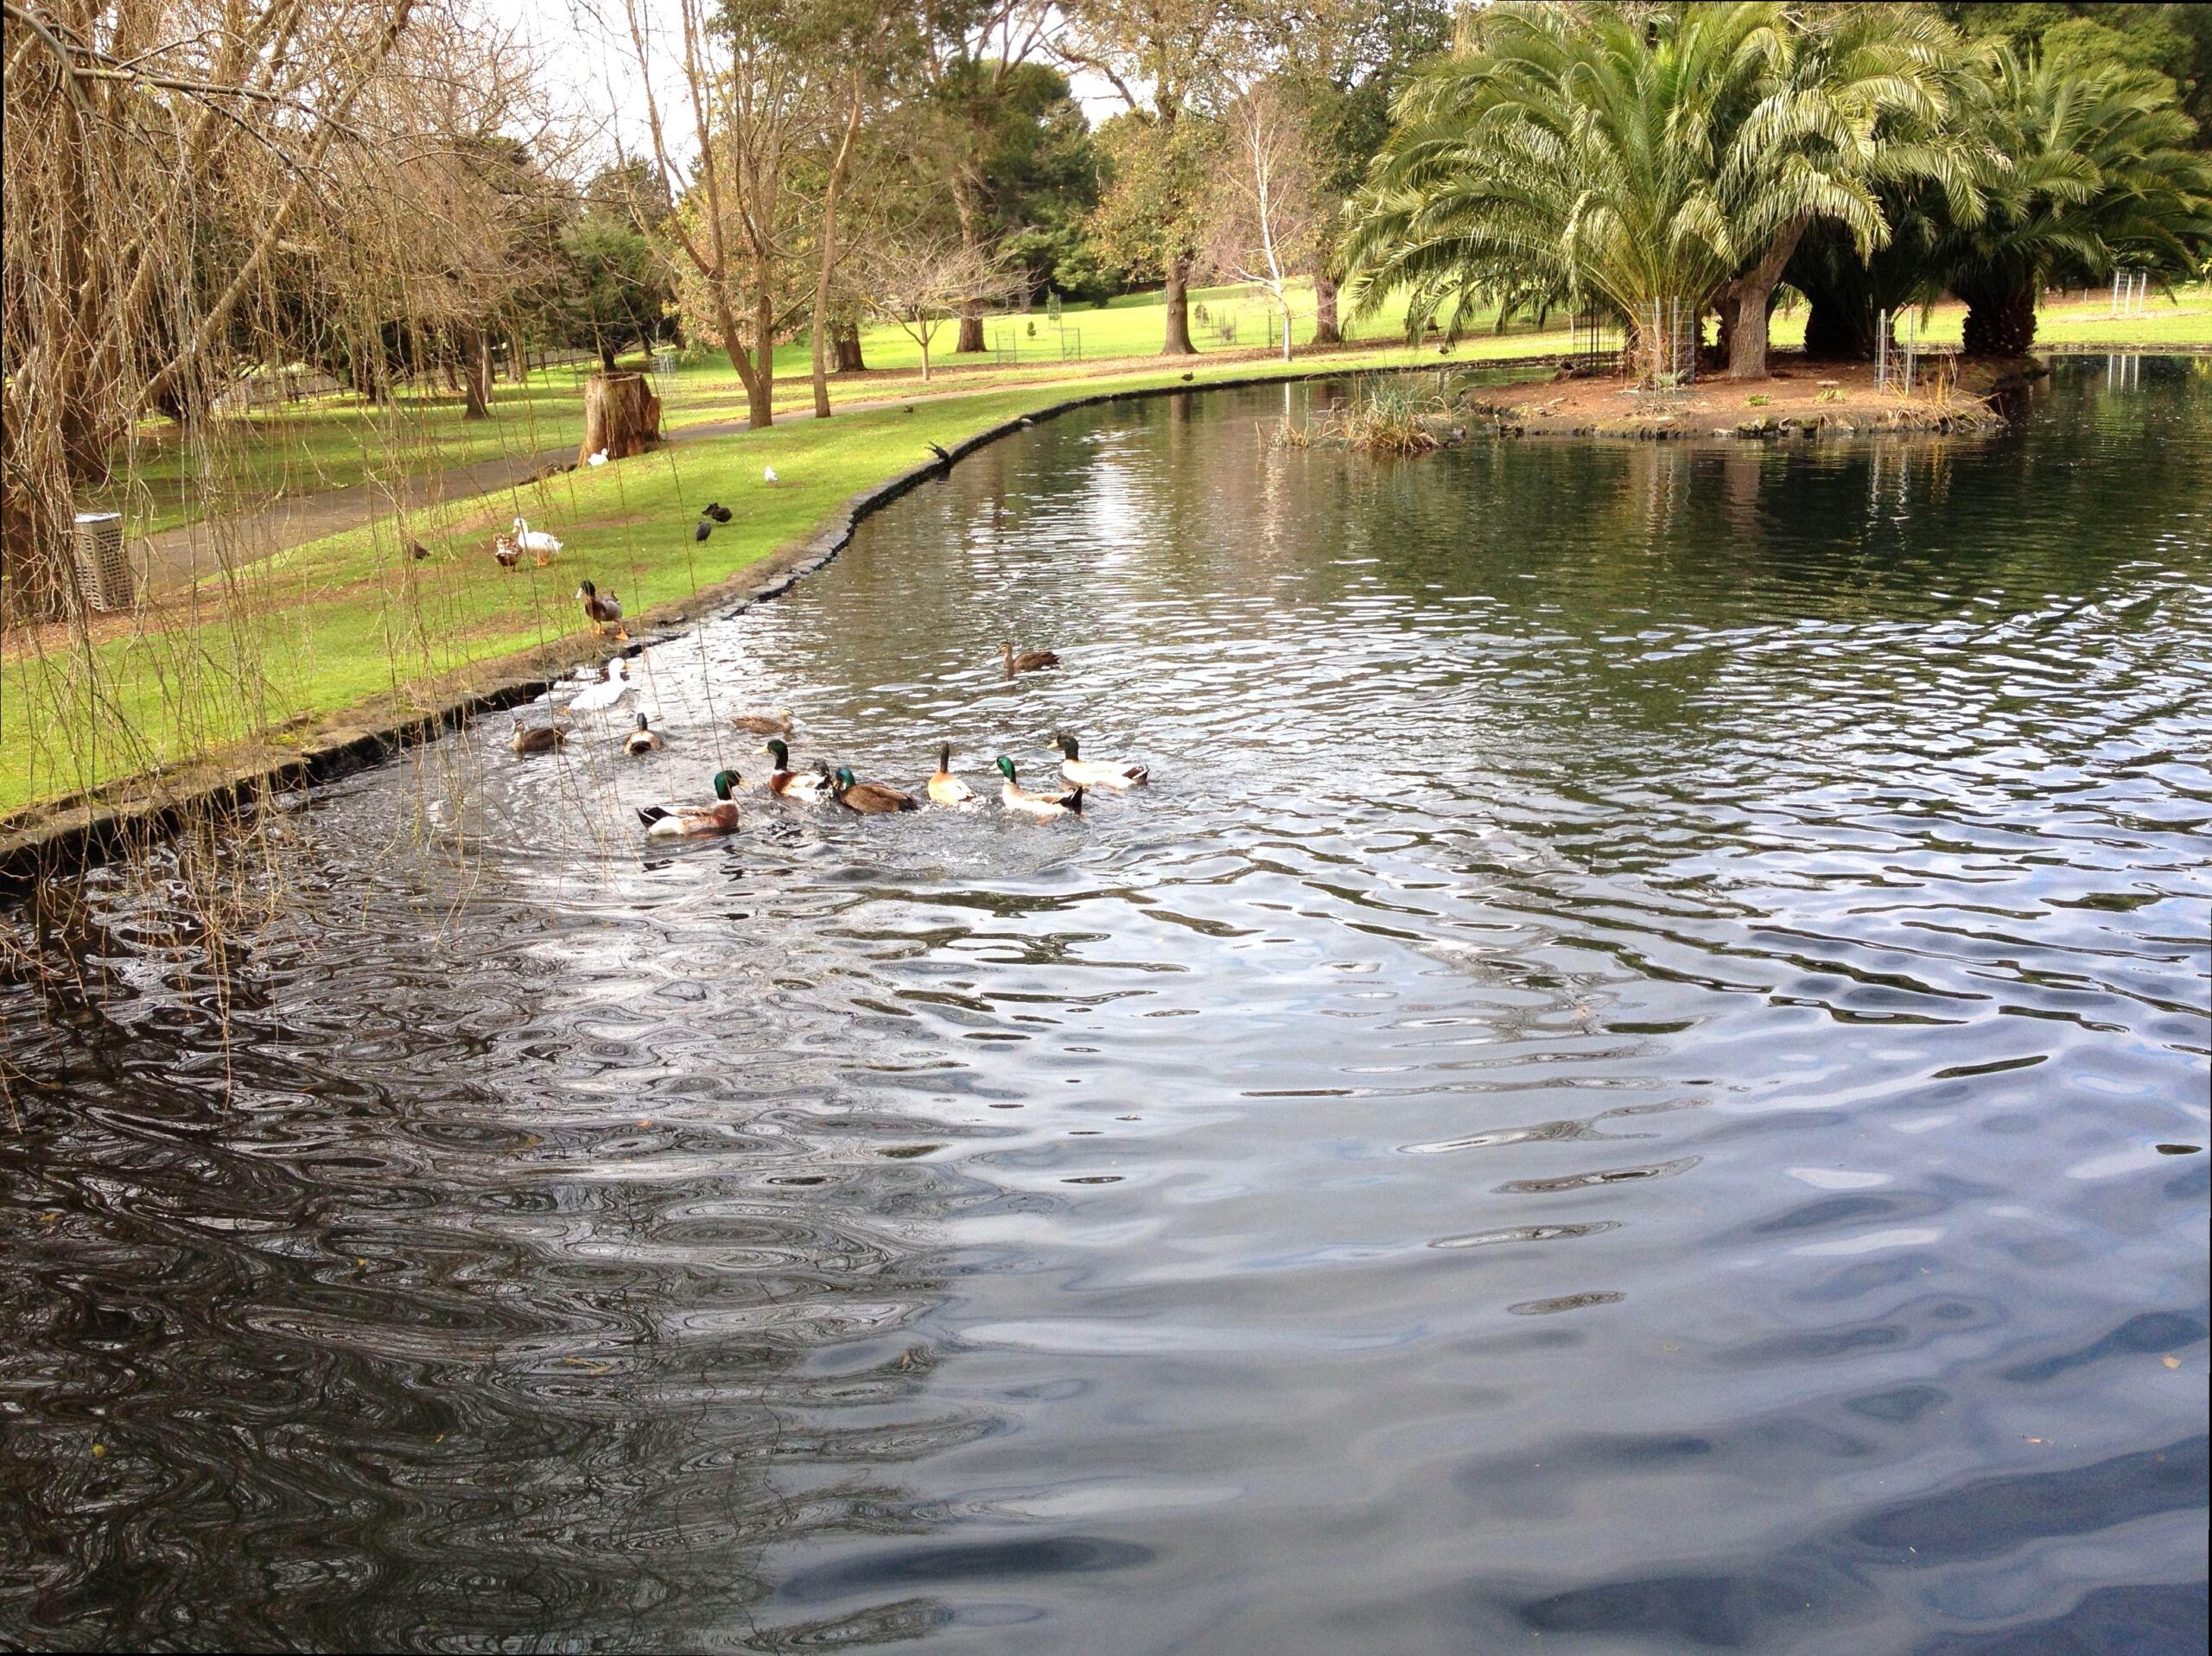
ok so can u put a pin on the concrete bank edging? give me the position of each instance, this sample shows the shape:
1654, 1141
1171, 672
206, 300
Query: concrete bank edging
69, 835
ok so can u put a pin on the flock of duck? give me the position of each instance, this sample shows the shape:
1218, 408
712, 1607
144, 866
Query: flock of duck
822, 784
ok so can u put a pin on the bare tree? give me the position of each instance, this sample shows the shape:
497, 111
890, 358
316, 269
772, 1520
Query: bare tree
921, 282
735, 212
179, 174
1265, 216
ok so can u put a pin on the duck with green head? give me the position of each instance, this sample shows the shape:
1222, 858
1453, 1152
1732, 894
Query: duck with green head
1017, 798
869, 798
685, 821
787, 784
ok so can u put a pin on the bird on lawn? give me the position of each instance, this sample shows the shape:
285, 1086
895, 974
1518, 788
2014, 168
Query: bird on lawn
536, 542
701, 529
602, 610
768, 474
715, 510
1096, 773
599, 459
506, 551
1030, 661
1015, 797
642, 740
941, 452
685, 821
538, 738
944, 788
869, 798
603, 693
787, 784
778, 723
417, 551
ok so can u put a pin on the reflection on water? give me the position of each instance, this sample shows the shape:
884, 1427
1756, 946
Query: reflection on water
1610, 1097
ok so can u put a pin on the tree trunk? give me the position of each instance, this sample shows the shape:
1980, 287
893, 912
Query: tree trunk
476, 373
606, 355
2000, 323
969, 211
1326, 331
819, 340
761, 389
849, 349
621, 416
1837, 331
1177, 295
1747, 301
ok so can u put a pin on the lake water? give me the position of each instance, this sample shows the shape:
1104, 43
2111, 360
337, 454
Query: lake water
1632, 1086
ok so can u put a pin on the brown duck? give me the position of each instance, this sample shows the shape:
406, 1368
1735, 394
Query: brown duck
869, 798
1030, 661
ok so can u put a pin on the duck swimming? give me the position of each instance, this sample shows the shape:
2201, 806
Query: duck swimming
869, 798
643, 739
787, 784
688, 822
1096, 773
538, 738
944, 788
1015, 797
1030, 661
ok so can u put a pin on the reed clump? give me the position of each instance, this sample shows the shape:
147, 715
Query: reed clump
1386, 418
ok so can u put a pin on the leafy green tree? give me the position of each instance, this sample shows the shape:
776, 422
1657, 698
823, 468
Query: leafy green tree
613, 291
2097, 171
1171, 62
1657, 161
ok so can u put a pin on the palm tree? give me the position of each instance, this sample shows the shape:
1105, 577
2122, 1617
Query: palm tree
1657, 162
2096, 173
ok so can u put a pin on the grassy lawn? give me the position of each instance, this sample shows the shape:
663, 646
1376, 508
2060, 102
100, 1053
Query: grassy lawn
331, 623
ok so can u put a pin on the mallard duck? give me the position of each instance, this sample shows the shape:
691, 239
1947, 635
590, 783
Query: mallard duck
536, 542
787, 784
683, 821
1029, 660
1096, 773
602, 610
869, 798
593, 698
538, 738
1015, 797
778, 723
643, 739
504, 549
945, 789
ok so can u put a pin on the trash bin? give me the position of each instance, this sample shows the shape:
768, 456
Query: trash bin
105, 580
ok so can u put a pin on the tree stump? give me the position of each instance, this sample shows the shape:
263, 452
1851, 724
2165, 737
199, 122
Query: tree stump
621, 415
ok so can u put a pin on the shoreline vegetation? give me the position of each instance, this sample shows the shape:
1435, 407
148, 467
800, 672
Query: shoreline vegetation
327, 612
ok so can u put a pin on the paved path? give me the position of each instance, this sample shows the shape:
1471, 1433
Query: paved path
175, 558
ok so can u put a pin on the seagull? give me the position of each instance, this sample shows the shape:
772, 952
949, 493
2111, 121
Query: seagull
767, 474
603, 693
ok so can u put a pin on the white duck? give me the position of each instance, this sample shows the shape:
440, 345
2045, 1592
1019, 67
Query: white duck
768, 474
534, 540
604, 692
